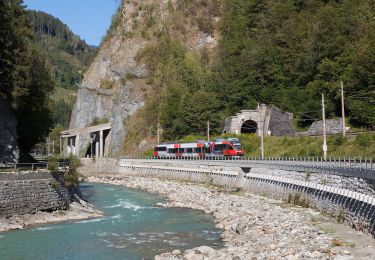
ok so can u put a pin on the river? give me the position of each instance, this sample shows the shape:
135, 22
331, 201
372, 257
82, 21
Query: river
133, 227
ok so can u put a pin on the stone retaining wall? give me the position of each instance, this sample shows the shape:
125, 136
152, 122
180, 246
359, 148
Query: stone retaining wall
348, 199
27, 193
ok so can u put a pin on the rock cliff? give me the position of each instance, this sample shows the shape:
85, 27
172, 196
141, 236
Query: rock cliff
8, 137
116, 86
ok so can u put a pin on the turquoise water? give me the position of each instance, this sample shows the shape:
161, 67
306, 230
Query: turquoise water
133, 227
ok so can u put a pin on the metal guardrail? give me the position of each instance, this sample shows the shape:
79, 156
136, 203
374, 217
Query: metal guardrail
28, 166
350, 167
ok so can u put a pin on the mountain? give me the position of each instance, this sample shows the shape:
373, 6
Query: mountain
67, 55
182, 63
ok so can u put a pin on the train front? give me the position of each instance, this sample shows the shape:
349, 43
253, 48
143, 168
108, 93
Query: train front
237, 147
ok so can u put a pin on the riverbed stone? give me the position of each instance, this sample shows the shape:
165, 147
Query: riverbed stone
253, 228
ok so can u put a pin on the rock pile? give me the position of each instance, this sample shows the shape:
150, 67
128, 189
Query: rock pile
253, 228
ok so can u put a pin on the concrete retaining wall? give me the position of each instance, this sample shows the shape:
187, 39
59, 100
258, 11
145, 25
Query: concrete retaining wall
349, 199
31, 192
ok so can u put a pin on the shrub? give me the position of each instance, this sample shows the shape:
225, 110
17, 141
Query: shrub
54, 184
53, 164
74, 162
336, 140
71, 178
106, 84
99, 121
363, 140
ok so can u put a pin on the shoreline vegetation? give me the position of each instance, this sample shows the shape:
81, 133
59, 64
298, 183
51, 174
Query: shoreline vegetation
252, 226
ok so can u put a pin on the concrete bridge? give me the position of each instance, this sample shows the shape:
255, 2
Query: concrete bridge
85, 142
345, 189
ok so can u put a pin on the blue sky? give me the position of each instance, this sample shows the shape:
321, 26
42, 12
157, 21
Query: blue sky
89, 19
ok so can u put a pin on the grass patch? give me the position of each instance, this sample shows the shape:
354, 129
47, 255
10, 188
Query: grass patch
327, 230
307, 146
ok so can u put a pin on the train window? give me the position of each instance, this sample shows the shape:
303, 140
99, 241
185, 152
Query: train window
189, 150
181, 150
171, 150
161, 149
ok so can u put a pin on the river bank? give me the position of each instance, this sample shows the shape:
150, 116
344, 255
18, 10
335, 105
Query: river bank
253, 227
77, 210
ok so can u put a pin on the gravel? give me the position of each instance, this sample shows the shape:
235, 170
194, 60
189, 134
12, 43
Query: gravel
253, 227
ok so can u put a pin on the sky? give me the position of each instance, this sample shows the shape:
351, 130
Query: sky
89, 19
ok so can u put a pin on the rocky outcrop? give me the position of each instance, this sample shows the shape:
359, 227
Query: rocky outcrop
116, 100
115, 86
8, 137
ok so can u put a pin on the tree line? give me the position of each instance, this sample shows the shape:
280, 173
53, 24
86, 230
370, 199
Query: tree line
68, 55
285, 53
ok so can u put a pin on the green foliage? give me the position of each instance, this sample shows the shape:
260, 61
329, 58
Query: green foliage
24, 76
71, 178
66, 53
282, 52
296, 146
55, 184
61, 111
74, 162
55, 136
364, 140
53, 164
185, 105
336, 140
99, 121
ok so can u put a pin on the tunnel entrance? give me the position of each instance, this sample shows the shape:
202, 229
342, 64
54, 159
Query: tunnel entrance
249, 127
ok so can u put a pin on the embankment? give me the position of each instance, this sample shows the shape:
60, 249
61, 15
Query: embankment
348, 199
28, 198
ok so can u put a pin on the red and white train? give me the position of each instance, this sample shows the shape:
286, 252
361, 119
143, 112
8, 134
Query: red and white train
221, 148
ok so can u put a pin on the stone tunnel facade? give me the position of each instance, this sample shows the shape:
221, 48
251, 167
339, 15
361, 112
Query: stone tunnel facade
269, 120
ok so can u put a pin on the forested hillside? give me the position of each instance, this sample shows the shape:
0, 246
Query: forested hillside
285, 53
288, 52
67, 55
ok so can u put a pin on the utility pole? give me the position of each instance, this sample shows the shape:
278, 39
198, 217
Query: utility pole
261, 123
343, 110
158, 132
325, 148
208, 131
47, 144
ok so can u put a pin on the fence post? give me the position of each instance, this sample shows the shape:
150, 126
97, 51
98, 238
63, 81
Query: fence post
32, 166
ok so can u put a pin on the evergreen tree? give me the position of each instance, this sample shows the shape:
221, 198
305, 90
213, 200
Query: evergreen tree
24, 77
